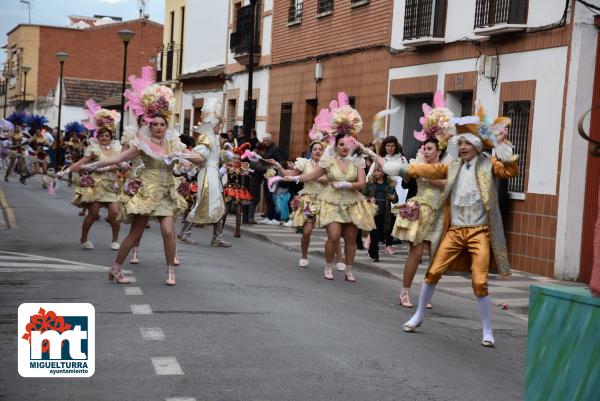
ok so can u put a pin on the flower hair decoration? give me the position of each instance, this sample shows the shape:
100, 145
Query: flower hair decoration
437, 122
100, 118
148, 99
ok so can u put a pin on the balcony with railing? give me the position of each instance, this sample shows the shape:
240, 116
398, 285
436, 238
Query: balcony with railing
495, 17
424, 22
239, 40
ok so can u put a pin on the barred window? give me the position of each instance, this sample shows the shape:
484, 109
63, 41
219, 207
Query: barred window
493, 12
295, 11
518, 133
356, 3
424, 18
325, 7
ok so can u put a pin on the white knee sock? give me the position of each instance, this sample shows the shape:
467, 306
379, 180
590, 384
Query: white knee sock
427, 291
483, 303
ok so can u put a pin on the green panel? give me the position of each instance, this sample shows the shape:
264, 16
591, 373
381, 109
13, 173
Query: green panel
563, 345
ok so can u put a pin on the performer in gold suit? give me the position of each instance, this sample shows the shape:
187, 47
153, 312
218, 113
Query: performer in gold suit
467, 232
306, 212
154, 192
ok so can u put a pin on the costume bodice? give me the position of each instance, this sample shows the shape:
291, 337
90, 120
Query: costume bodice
335, 172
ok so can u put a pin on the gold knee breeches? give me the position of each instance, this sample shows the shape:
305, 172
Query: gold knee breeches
475, 241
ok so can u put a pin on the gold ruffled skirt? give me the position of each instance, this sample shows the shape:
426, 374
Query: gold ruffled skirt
157, 197
338, 206
307, 206
414, 231
104, 191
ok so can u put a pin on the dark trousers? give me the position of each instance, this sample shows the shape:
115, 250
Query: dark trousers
377, 235
271, 213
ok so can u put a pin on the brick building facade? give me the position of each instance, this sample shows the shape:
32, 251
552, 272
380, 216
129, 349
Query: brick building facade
95, 53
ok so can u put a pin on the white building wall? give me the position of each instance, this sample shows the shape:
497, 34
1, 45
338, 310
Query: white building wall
206, 30
261, 82
187, 102
547, 67
574, 152
460, 18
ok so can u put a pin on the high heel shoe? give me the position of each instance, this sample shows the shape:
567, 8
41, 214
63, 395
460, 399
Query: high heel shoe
135, 256
328, 274
116, 274
176, 260
170, 276
349, 276
404, 298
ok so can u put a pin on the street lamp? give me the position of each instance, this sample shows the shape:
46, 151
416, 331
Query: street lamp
126, 35
6, 75
25, 69
61, 57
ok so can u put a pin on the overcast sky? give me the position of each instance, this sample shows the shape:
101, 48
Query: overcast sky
56, 12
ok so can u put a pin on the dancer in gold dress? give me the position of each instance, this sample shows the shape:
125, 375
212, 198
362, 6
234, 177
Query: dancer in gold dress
99, 189
154, 192
306, 212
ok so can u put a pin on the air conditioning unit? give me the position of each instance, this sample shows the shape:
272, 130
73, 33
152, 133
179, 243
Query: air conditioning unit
490, 67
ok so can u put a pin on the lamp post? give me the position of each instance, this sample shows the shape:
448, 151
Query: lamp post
61, 57
249, 110
6, 78
25, 69
126, 35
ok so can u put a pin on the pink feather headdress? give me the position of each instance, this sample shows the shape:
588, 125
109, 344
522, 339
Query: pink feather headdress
437, 122
339, 117
100, 118
145, 98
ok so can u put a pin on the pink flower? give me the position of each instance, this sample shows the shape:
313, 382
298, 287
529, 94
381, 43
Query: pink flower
132, 185
86, 181
409, 211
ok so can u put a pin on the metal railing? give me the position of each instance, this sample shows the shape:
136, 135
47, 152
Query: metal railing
295, 11
239, 41
494, 12
519, 136
424, 18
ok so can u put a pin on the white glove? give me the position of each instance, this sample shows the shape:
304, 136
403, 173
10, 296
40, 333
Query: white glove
342, 185
223, 170
90, 167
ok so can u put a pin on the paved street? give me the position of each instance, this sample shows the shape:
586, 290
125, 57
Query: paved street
242, 324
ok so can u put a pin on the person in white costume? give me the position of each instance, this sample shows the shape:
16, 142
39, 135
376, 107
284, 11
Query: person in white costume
209, 207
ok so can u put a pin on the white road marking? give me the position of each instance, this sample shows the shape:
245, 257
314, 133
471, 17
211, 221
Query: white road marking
127, 271
180, 399
133, 291
143, 309
152, 333
12, 257
166, 366
47, 259
132, 279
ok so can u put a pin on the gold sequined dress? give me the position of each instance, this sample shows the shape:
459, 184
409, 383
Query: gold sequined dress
342, 205
415, 218
105, 183
308, 205
158, 195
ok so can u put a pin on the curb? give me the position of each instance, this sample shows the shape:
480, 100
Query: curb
520, 312
7, 216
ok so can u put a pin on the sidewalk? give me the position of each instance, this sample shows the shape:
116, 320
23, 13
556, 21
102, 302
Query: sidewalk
513, 291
